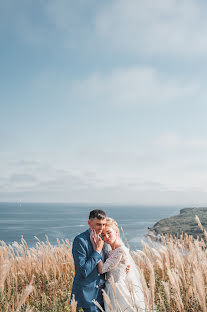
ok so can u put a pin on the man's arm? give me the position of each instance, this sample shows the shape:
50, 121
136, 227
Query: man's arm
83, 265
100, 267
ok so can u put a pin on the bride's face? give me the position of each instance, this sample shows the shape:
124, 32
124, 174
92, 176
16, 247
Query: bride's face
109, 235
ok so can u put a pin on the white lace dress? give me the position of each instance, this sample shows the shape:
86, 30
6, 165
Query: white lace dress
128, 295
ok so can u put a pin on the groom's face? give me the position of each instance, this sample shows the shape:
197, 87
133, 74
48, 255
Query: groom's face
97, 225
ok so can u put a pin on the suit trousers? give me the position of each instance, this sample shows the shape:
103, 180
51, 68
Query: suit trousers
94, 308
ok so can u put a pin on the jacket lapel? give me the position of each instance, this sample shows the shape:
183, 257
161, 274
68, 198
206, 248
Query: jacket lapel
90, 247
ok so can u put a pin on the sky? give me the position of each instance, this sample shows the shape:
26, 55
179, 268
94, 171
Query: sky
103, 101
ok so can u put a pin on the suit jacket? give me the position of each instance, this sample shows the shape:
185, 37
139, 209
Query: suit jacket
87, 279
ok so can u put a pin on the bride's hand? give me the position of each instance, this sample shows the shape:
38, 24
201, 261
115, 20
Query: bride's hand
92, 238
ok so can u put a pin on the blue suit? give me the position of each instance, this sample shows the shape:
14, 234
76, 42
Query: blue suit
87, 279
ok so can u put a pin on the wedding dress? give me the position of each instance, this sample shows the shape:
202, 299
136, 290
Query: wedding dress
123, 289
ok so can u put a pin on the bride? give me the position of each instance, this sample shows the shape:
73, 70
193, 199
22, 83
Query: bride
123, 289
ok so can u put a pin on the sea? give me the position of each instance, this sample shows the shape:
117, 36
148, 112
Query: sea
65, 221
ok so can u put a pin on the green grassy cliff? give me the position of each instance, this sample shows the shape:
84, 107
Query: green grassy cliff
183, 223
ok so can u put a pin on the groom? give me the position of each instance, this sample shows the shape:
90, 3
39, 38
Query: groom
87, 284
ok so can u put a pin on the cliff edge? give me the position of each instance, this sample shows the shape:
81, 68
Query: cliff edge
182, 223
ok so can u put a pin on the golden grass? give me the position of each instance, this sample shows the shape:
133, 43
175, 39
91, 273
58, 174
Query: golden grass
173, 275
36, 279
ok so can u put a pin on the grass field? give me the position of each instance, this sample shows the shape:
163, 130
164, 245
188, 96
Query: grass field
174, 275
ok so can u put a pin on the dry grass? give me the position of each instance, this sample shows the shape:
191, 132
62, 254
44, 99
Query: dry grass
174, 275
36, 279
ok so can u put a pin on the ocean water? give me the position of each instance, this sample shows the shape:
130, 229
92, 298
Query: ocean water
65, 221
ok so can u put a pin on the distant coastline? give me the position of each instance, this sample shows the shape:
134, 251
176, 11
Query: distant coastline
182, 223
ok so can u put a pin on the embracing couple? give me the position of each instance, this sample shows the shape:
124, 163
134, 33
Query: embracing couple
102, 261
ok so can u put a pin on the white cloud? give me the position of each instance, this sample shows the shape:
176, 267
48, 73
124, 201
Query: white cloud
41, 177
174, 141
22, 178
167, 140
134, 86
143, 187
154, 27
161, 27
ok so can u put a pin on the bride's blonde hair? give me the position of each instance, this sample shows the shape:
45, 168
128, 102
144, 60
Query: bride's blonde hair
112, 223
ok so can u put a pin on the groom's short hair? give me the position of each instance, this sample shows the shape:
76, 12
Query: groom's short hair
97, 213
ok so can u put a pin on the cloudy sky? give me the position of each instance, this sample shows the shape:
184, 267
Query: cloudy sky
103, 101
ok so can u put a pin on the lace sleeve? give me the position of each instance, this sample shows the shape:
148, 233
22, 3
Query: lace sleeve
112, 261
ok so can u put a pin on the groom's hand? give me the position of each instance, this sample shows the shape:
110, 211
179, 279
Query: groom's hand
96, 241
128, 268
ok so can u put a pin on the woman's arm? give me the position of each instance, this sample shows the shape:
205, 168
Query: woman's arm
112, 261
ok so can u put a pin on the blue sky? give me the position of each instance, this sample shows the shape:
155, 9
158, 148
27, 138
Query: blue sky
103, 101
